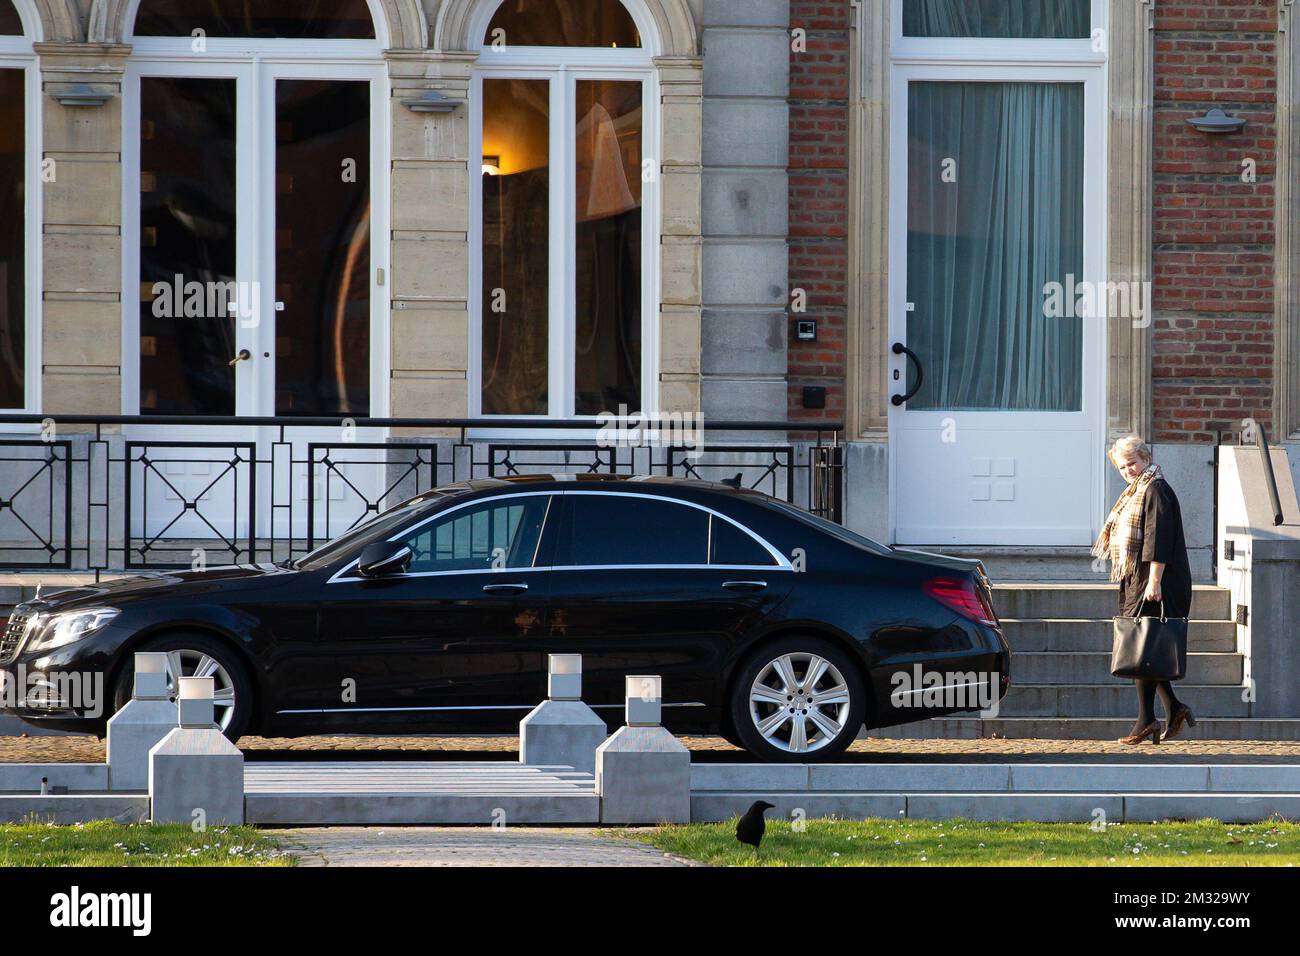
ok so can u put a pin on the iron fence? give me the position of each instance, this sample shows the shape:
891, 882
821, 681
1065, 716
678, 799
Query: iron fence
109, 493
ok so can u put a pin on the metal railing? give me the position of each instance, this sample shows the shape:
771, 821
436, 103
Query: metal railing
115, 492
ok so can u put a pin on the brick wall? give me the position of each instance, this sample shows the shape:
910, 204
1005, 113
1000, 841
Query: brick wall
1212, 232
819, 181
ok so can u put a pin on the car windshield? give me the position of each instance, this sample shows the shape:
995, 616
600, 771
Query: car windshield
830, 527
375, 529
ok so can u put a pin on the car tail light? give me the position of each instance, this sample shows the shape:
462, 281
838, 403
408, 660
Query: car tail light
960, 595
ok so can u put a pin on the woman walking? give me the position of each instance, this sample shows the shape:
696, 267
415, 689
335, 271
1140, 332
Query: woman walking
1143, 538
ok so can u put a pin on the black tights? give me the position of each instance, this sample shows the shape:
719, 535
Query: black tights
1147, 701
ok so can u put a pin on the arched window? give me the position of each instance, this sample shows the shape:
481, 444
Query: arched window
18, 85
11, 25
566, 246
585, 23
287, 20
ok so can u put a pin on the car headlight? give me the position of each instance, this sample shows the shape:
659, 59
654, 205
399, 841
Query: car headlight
48, 631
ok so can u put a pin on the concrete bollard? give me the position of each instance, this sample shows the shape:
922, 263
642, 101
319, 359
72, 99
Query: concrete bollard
196, 775
643, 773
562, 730
147, 718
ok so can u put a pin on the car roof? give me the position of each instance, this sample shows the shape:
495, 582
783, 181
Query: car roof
597, 481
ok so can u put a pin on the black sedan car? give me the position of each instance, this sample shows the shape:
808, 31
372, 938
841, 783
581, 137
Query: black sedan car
782, 632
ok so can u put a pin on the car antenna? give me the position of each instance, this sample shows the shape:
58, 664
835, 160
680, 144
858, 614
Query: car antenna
734, 482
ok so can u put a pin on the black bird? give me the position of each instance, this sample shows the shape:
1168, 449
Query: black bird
751, 827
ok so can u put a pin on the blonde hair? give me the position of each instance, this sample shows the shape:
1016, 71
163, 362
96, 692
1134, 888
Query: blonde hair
1127, 447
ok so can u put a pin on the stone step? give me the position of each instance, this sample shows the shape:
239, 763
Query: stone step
1112, 700
1093, 667
1082, 634
1087, 728
1053, 564
1045, 807
1093, 601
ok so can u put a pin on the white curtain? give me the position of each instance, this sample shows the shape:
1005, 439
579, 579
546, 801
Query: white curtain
995, 213
1040, 19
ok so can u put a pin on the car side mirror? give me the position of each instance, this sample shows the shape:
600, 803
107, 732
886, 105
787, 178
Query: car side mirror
383, 558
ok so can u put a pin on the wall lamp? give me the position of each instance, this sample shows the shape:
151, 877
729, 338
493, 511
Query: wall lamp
431, 101
1217, 121
81, 94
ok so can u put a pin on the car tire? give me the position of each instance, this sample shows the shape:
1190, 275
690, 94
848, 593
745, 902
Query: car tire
824, 718
221, 662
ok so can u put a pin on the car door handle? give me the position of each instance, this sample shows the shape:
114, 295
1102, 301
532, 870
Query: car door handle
512, 586
744, 585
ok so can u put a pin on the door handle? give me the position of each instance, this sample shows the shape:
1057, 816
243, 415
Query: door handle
744, 585
901, 349
512, 586
243, 356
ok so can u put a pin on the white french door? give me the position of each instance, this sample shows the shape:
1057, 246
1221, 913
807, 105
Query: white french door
256, 217
997, 188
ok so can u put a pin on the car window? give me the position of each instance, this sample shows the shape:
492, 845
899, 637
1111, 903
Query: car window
492, 535
376, 528
606, 529
729, 545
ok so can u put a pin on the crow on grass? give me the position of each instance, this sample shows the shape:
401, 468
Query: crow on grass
751, 827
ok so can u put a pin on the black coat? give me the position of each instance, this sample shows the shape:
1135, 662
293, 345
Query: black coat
1162, 541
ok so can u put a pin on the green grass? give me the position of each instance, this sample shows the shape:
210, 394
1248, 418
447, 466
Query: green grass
102, 843
971, 843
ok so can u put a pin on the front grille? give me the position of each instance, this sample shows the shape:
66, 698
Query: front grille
12, 636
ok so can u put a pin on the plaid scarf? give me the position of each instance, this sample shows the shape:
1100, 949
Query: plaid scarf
1121, 538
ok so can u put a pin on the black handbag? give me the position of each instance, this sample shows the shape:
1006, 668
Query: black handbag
1153, 648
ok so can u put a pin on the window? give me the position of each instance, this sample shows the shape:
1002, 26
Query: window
563, 247
493, 536
1011, 19
285, 19
11, 25
731, 546
17, 206
606, 529
590, 23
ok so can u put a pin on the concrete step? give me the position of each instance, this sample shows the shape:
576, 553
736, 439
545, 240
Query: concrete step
1030, 600
1082, 634
1055, 564
1111, 700
1093, 667
1049, 807
1088, 728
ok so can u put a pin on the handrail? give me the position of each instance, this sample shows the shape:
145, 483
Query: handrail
1261, 441
538, 424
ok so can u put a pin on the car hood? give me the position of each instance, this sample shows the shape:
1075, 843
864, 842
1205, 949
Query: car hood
123, 591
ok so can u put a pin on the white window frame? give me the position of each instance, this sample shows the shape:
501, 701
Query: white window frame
564, 67
16, 53
991, 50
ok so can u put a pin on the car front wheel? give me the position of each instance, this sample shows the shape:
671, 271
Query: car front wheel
798, 699
197, 655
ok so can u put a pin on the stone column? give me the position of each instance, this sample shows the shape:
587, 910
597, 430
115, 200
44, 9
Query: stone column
643, 773
81, 310
195, 773
680, 283
148, 717
429, 286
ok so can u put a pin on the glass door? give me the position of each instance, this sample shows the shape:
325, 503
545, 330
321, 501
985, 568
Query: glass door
996, 405
258, 296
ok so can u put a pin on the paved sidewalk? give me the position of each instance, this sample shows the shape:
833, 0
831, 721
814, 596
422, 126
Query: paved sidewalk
462, 846
708, 749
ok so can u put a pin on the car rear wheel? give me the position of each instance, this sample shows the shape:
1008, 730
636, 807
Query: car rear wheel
197, 655
799, 698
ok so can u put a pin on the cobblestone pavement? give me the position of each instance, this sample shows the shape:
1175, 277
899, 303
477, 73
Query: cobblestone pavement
708, 749
465, 846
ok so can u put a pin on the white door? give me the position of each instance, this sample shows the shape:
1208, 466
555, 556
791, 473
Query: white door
997, 391
253, 192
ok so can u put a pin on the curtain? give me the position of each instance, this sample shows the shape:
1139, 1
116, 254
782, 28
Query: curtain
995, 213
1021, 19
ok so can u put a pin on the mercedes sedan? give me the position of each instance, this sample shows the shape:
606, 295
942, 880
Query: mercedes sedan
782, 632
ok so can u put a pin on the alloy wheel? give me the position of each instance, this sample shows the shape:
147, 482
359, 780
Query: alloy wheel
799, 702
